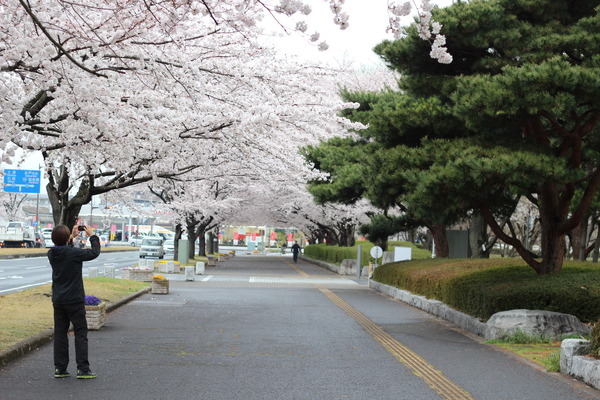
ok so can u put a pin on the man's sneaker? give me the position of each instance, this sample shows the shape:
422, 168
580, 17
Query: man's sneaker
61, 373
85, 374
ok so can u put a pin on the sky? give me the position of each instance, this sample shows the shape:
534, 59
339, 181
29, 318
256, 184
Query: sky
367, 27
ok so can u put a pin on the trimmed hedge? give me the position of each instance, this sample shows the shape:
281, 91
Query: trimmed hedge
483, 287
335, 254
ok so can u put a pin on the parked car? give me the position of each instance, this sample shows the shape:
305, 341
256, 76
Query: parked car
136, 241
47, 234
152, 247
169, 246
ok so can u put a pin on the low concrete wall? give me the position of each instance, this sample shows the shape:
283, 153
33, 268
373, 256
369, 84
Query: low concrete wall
434, 307
573, 362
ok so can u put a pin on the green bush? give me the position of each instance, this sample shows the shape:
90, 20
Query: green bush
335, 254
482, 288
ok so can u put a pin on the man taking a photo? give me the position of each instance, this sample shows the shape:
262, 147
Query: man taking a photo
68, 297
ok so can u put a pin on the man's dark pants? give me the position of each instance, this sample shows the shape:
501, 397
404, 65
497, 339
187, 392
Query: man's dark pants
63, 315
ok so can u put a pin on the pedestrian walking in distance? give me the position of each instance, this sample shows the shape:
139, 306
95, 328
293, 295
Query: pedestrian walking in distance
68, 297
296, 250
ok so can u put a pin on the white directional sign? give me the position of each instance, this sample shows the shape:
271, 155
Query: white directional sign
21, 181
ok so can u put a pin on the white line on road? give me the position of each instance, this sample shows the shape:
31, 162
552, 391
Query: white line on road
24, 287
207, 278
43, 266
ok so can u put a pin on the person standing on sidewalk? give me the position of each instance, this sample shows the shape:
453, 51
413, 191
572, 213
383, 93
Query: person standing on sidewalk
68, 297
296, 250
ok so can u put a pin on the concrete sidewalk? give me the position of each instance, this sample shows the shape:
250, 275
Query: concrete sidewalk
266, 328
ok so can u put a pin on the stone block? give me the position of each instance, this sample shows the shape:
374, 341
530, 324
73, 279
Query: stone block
109, 272
549, 324
189, 273
199, 268
93, 272
570, 348
170, 267
347, 267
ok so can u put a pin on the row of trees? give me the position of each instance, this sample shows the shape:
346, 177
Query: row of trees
515, 115
181, 96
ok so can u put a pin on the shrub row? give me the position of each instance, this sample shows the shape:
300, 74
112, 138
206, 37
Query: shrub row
335, 254
482, 288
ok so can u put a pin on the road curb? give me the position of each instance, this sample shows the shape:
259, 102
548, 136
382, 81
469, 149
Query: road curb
35, 342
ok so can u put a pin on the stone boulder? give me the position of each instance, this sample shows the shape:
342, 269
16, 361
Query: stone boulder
551, 325
347, 267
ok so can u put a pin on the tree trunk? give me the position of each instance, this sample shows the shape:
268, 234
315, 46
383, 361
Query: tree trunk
178, 233
438, 233
596, 247
478, 236
346, 235
383, 243
575, 242
583, 239
191, 231
202, 244
553, 247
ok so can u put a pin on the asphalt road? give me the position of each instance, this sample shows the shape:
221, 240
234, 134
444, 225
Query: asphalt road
22, 273
265, 328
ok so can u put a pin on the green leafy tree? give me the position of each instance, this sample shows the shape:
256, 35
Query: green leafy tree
525, 82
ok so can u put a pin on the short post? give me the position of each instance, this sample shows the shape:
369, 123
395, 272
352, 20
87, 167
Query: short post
109, 272
170, 267
93, 272
199, 268
189, 273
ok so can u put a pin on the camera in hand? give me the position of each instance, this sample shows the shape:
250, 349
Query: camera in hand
81, 227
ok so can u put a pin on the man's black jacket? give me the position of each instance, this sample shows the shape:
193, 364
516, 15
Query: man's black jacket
67, 265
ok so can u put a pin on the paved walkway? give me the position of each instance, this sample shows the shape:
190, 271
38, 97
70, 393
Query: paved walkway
266, 328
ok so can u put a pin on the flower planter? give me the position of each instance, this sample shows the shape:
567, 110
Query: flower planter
95, 316
169, 267
159, 286
136, 275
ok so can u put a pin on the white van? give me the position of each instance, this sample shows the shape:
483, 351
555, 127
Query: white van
152, 247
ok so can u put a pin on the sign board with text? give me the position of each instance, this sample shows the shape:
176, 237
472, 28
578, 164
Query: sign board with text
21, 181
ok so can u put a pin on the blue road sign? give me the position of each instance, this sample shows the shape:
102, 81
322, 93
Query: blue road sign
21, 181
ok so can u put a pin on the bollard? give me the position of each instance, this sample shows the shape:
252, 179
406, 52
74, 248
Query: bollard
170, 267
199, 268
109, 272
143, 262
189, 273
93, 272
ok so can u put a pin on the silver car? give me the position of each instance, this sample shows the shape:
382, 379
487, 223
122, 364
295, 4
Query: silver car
152, 247
169, 246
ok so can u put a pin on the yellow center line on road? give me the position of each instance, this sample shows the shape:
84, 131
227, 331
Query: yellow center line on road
434, 378
298, 270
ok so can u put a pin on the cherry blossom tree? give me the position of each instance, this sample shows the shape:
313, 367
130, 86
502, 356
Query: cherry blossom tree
124, 93
119, 93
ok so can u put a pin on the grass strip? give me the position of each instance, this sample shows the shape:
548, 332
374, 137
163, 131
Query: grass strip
29, 312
